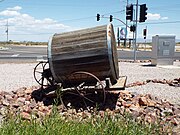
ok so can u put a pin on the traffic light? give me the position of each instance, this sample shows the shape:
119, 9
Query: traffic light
144, 33
129, 12
98, 17
132, 28
111, 18
143, 13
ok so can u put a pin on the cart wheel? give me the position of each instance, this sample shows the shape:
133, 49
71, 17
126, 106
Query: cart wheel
90, 91
42, 74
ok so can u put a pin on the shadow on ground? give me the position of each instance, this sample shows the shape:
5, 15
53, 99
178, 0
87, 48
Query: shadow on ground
77, 99
148, 65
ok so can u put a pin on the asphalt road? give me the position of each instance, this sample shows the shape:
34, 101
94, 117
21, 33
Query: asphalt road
22, 53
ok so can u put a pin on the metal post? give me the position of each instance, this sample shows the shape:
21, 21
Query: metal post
7, 31
133, 38
126, 28
146, 37
118, 37
136, 31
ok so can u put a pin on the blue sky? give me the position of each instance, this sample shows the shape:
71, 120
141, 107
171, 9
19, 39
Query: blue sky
37, 20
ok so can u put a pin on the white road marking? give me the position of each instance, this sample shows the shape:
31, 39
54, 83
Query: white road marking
15, 55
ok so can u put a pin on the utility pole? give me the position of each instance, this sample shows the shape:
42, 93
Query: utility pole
136, 31
7, 31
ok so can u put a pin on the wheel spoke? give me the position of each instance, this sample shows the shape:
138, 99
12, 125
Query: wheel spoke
39, 75
88, 99
81, 87
39, 72
42, 64
73, 93
40, 79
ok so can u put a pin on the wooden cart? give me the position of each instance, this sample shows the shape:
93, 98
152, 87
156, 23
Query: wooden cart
82, 60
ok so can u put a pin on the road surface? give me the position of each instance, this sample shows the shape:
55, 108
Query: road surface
39, 53
22, 53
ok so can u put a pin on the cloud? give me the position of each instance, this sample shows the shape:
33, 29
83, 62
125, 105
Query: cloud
164, 18
151, 16
155, 16
16, 8
24, 24
14, 11
9, 13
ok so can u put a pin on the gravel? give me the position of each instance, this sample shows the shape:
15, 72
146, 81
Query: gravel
144, 71
14, 76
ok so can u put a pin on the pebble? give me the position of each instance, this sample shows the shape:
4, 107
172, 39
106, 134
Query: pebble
144, 107
175, 82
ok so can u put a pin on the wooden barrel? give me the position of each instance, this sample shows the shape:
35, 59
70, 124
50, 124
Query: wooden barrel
90, 50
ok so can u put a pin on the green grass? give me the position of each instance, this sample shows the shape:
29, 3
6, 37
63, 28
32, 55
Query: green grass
56, 125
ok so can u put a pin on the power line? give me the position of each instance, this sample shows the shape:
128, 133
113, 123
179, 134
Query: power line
121, 11
150, 23
168, 22
84, 18
76, 19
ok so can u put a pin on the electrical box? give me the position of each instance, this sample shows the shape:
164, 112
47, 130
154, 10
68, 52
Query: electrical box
163, 48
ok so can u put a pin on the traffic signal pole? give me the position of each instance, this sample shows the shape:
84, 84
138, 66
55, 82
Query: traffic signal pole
135, 40
125, 42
